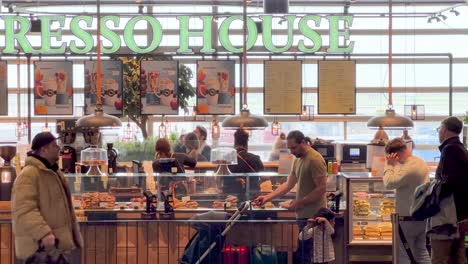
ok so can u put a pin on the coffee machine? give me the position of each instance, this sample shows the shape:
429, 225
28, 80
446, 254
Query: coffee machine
326, 148
7, 172
67, 133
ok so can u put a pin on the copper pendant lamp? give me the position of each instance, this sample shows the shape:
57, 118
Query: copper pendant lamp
99, 118
245, 119
390, 120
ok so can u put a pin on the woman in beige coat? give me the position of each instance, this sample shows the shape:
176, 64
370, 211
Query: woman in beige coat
42, 210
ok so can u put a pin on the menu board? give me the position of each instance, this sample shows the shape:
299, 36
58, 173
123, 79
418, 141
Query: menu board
3, 88
53, 88
337, 87
159, 87
283, 87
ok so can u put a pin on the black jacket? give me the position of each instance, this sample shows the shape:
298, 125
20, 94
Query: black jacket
246, 163
453, 169
183, 159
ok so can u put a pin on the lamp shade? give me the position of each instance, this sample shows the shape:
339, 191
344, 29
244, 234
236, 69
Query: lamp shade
390, 120
245, 120
98, 119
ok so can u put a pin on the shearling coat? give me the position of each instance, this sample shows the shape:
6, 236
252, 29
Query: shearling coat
41, 204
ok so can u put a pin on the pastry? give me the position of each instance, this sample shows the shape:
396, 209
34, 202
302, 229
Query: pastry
376, 195
360, 194
266, 186
179, 205
285, 204
231, 199
191, 204
218, 204
361, 207
96, 200
387, 207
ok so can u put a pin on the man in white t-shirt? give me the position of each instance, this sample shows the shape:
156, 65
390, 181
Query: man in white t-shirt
404, 172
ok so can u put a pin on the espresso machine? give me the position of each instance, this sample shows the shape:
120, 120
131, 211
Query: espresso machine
67, 132
326, 148
7, 172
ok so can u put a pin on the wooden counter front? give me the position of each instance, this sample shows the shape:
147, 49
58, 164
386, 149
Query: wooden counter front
136, 241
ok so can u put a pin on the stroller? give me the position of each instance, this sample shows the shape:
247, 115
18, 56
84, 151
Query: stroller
206, 245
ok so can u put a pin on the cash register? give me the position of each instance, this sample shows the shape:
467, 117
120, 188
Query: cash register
354, 157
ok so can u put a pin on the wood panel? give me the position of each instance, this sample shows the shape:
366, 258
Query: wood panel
156, 242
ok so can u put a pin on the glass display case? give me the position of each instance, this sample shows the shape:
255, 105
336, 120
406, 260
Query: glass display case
369, 209
128, 192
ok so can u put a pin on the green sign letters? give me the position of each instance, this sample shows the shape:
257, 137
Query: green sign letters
82, 42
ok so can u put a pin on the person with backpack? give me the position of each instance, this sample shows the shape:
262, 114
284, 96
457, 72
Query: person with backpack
452, 171
404, 172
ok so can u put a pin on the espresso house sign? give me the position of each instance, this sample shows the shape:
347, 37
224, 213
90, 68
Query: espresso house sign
17, 34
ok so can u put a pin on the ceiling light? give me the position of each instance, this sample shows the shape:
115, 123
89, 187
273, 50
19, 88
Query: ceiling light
390, 120
245, 120
443, 16
455, 12
99, 118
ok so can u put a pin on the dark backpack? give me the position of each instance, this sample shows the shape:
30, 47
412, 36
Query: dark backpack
426, 200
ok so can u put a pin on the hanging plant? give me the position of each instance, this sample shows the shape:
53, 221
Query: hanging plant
132, 89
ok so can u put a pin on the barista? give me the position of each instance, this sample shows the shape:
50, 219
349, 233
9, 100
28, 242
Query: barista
163, 151
246, 163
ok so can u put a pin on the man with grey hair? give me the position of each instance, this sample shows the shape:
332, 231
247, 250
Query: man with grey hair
453, 171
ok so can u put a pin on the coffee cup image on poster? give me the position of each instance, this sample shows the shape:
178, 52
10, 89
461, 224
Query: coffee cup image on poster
53, 88
159, 87
111, 87
216, 87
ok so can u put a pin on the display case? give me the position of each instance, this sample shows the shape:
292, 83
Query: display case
119, 195
369, 208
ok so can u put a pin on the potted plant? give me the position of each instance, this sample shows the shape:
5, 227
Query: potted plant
136, 150
132, 89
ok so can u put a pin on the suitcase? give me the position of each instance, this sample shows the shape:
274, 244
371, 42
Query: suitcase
235, 255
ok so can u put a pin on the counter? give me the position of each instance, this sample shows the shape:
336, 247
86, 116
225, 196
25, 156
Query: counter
121, 235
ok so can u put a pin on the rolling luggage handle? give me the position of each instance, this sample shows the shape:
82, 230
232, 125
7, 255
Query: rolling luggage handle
231, 221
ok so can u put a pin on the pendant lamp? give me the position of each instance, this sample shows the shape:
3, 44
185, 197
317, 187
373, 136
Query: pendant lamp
245, 119
99, 118
390, 120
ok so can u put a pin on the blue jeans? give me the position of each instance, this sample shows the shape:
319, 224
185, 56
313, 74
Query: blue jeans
304, 247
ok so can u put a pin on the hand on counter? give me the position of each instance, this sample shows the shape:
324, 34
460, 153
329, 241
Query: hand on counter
295, 205
261, 200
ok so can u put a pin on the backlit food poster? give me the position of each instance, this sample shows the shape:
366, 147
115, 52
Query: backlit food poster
53, 88
159, 87
215, 87
3, 88
111, 87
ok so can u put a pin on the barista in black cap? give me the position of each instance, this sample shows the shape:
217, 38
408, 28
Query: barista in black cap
42, 211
